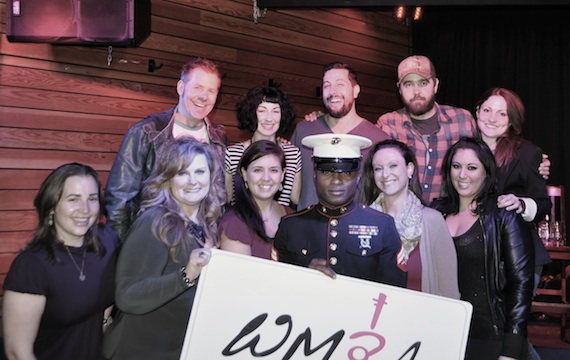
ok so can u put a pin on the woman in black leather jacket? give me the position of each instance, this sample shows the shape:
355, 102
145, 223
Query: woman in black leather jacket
494, 249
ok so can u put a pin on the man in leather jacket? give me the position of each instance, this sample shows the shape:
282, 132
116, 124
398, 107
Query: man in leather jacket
198, 90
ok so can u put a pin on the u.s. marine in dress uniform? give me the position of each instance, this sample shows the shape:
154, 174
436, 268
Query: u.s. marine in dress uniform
338, 235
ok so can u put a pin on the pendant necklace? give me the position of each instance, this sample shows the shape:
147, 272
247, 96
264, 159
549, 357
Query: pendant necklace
81, 275
265, 219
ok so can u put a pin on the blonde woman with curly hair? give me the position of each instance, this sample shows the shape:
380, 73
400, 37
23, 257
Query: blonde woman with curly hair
165, 251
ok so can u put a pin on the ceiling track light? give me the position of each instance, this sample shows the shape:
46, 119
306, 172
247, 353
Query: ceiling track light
404, 13
417, 13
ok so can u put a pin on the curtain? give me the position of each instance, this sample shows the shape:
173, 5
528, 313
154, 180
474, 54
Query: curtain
524, 49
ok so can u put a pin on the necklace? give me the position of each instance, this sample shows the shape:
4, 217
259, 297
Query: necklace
81, 275
265, 219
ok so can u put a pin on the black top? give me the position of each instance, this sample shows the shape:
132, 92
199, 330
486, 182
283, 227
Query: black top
72, 322
152, 297
521, 177
472, 283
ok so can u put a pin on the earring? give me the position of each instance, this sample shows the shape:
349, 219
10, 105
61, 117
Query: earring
246, 185
50, 218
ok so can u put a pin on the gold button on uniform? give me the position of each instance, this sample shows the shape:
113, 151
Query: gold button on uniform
364, 252
333, 246
334, 233
334, 222
333, 260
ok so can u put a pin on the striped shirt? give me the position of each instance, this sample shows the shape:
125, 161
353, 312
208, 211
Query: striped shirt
292, 167
454, 123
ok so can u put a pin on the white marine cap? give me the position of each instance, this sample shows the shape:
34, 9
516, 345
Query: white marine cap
336, 152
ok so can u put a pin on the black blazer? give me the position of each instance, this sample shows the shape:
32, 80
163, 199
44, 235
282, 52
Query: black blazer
521, 177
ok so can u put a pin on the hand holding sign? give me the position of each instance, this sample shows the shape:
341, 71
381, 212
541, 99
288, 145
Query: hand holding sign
279, 311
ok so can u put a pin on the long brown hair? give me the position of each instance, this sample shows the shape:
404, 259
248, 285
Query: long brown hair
448, 203
248, 210
177, 155
370, 190
49, 195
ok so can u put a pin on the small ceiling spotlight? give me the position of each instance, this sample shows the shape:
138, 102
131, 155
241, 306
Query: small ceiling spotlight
405, 14
400, 12
417, 13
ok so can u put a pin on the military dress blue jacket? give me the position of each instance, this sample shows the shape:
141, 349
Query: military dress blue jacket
356, 240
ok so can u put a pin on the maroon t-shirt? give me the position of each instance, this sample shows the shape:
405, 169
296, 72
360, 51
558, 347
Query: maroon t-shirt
235, 228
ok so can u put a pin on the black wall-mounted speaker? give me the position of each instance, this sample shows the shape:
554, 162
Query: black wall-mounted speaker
79, 22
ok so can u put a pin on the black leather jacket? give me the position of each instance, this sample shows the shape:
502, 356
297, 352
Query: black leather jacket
509, 261
136, 160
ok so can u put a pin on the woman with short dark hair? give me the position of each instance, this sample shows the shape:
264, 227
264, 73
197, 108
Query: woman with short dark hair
265, 111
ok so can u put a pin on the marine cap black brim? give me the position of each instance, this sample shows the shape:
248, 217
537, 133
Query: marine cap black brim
337, 164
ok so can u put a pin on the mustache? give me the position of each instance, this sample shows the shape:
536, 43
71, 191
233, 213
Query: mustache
330, 97
418, 98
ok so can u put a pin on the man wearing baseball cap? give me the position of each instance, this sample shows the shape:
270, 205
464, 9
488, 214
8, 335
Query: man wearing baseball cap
338, 235
427, 127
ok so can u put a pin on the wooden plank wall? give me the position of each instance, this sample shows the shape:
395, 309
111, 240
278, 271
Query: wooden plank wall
61, 103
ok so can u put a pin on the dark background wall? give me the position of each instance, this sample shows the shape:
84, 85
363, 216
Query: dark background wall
525, 49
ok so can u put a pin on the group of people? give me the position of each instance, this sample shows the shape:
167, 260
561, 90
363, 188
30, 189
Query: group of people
429, 198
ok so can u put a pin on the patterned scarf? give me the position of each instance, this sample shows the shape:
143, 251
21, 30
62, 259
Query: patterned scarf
408, 223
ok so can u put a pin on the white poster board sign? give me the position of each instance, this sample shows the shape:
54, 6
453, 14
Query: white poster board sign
248, 308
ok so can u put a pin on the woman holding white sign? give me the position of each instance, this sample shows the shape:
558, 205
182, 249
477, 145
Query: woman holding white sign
494, 249
164, 253
391, 185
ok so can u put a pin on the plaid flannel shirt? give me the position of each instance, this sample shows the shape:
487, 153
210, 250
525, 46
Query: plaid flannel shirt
454, 123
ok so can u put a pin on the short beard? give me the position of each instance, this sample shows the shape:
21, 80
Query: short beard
340, 113
419, 110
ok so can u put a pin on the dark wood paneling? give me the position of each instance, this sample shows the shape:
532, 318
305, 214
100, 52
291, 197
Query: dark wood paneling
50, 159
17, 199
5, 260
59, 140
34, 74
31, 179
13, 242
62, 120
17, 220
11, 96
